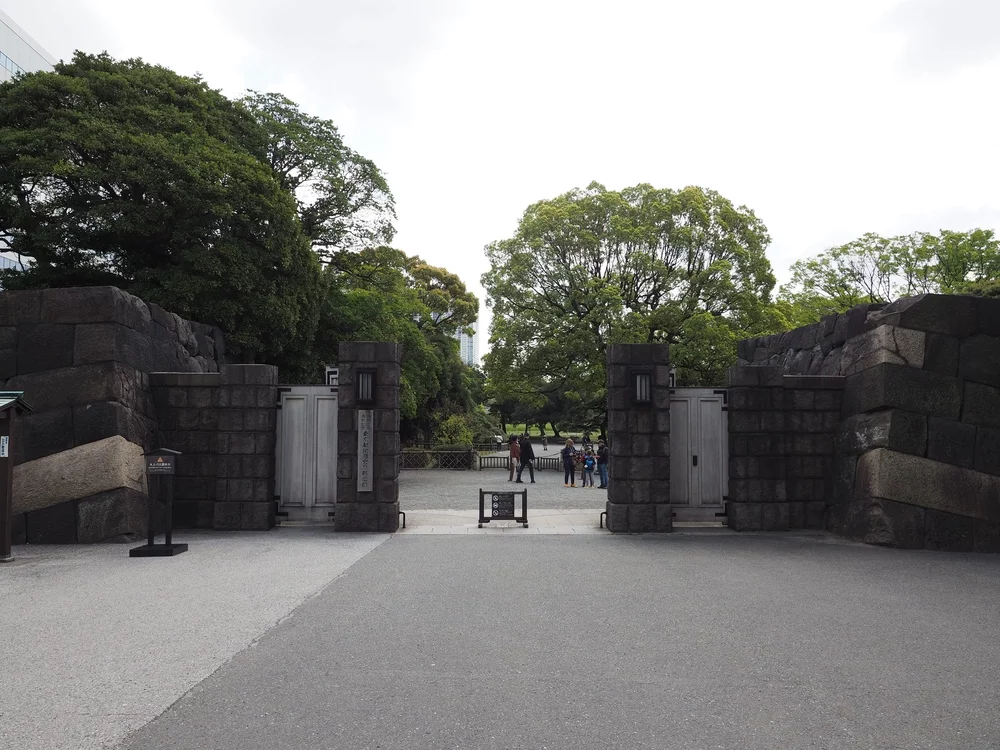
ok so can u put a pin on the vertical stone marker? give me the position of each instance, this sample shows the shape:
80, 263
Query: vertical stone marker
369, 454
639, 438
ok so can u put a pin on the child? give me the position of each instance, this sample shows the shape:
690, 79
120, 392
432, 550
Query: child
581, 463
588, 469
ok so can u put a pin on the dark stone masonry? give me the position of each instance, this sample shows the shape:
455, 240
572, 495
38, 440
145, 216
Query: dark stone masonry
378, 509
224, 425
639, 436
916, 458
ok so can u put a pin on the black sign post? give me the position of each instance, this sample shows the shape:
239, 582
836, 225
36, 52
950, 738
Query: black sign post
161, 463
499, 506
11, 405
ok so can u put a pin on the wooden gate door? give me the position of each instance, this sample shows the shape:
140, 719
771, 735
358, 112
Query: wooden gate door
306, 461
699, 453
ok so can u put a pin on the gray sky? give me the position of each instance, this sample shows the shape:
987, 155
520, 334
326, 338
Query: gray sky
829, 118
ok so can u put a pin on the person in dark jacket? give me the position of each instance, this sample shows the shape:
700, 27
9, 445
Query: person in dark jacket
527, 456
602, 463
569, 463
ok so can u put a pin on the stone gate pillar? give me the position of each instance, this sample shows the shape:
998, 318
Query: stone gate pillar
639, 438
368, 437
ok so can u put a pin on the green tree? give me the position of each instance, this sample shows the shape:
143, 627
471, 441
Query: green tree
120, 172
343, 199
875, 269
596, 266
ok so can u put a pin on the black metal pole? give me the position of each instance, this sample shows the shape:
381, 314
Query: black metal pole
7, 489
170, 508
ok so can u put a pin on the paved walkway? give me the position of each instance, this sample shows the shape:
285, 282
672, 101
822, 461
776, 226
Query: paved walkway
439, 489
304, 638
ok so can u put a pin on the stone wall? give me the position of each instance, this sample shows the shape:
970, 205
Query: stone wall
377, 510
781, 448
917, 458
82, 357
639, 438
224, 425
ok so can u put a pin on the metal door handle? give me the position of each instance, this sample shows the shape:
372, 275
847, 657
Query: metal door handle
695, 459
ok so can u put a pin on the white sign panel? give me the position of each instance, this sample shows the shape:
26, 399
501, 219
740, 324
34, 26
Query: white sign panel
366, 435
4, 446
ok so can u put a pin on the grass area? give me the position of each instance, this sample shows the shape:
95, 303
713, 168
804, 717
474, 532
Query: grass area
533, 431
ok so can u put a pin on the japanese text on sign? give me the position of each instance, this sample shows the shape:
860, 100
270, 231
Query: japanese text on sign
366, 435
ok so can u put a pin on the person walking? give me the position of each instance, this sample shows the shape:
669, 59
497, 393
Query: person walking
569, 463
602, 463
527, 456
515, 457
545, 443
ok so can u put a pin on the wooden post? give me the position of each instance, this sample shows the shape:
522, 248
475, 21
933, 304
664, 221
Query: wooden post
6, 486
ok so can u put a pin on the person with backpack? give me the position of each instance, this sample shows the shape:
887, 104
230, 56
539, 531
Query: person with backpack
569, 463
527, 456
589, 462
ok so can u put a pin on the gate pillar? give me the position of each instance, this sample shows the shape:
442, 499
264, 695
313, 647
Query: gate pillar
368, 437
639, 438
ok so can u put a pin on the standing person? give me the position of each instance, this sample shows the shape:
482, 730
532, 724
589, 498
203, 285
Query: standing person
527, 456
545, 443
515, 456
602, 463
569, 463
588, 469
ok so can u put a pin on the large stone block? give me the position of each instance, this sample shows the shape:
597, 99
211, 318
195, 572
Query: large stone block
744, 516
774, 517
70, 386
102, 304
981, 405
935, 313
896, 429
357, 517
54, 524
951, 441
754, 376
120, 515
986, 537
988, 316
946, 531
942, 354
884, 522
641, 519
979, 360
20, 308
44, 347
889, 386
47, 432
80, 472
987, 457
617, 518
912, 480
93, 422
884, 344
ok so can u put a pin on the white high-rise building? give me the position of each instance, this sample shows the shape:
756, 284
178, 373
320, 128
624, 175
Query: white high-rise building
468, 345
19, 53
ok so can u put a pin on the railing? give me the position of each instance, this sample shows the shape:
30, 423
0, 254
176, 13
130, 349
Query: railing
477, 447
438, 459
503, 462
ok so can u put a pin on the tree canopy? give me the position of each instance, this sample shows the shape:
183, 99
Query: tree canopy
879, 269
343, 199
120, 172
597, 266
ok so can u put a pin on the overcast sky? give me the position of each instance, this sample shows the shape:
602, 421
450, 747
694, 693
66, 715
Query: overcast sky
829, 118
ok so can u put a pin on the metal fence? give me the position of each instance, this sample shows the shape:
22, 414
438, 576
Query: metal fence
438, 459
503, 462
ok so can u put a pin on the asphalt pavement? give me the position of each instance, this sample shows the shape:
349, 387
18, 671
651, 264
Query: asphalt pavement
734, 641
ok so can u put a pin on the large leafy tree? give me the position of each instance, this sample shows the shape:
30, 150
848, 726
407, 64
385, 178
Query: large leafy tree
381, 294
343, 199
596, 266
120, 172
875, 269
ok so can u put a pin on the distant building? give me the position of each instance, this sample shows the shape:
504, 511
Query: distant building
468, 345
19, 53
